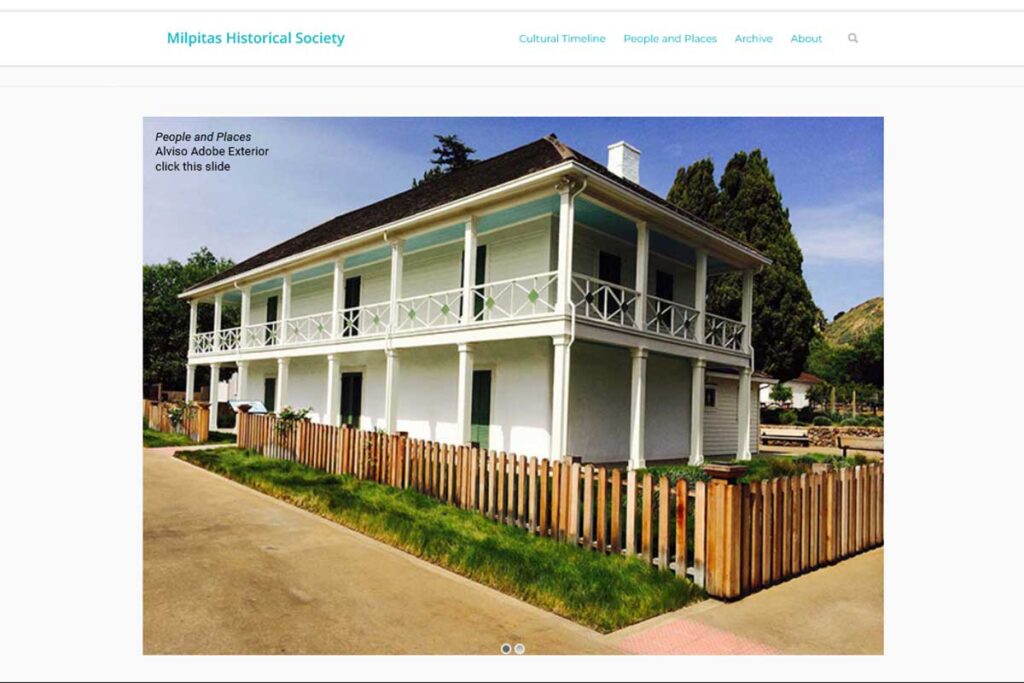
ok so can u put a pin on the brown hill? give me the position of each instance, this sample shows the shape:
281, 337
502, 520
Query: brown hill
857, 323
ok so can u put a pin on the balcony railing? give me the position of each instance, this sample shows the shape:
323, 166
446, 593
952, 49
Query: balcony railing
671, 319
513, 299
604, 301
429, 311
520, 297
723, 332
371, 320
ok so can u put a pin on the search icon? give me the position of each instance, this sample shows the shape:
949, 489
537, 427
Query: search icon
852, 38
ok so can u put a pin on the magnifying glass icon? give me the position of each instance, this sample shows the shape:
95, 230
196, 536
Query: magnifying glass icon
852, 38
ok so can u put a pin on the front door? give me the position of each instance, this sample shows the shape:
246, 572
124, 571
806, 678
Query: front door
269, 393
480, 412
351, 398
350, 324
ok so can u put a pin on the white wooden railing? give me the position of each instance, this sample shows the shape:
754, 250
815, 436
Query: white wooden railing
723, 332
671, 318
512, 299
519, 297
371, 320
604, 301
429, 311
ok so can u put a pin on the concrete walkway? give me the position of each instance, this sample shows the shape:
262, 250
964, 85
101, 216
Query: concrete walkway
230, 571
835, 610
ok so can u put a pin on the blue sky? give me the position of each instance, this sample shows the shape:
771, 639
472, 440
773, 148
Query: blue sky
829, 171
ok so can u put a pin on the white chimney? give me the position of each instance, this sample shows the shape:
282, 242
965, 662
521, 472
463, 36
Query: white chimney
624, 161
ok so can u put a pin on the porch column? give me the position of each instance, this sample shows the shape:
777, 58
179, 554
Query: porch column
243, 381
190, 382
193, 317
699, 365
468, 273
700, 294
214, 394
637, 408
560, 398
218, 309
643, 253
281, 393
337, 298
397, 250
245, 316
330, 416
566, 222
465, 397
743, 416
391, 391
747, 309
286, 308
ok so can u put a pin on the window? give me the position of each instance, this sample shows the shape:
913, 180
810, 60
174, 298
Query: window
710, 397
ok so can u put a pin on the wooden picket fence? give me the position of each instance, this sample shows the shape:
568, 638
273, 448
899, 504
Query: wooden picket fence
196, 422
731, 538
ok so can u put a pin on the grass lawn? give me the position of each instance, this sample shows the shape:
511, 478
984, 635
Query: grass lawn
154, 439
602, 592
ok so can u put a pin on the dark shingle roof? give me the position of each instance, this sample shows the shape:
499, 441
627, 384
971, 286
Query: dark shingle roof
536, 156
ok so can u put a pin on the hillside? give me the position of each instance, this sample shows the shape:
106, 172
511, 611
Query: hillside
857, 323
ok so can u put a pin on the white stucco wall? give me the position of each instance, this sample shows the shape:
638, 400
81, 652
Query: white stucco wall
800, 390
667, 432
599, 389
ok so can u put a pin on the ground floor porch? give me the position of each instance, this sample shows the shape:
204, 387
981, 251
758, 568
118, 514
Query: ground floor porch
545, 396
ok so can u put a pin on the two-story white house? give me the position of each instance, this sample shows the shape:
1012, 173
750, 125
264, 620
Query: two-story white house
538, 303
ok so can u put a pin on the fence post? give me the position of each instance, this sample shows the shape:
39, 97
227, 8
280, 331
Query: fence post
724, 526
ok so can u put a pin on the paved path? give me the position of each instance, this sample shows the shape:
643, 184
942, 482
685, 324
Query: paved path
230, 571
835, 610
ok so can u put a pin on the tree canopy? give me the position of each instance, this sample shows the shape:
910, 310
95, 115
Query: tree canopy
747, 205
451, 154
165, 316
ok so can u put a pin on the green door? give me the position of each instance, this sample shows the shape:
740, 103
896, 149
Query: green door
269, 393
351, 398
480, 413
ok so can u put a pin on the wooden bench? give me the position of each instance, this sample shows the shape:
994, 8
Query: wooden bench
860, 443
795, 436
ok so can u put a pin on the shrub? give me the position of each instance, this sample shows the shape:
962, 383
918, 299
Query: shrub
769, 416
850, 422
822, 421
871, 422
787, 417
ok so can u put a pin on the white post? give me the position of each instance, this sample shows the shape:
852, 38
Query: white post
747, 309
214, 394
190, 382
700, 292
560, 398
391, 391
637, 409
566, 223
697, 411
743, 416
337, 298
193, 318
281, 393
397, 247
242, 385
643, 253
244, 317
286, 308
468, 271
330, 416
218, 309
465, 397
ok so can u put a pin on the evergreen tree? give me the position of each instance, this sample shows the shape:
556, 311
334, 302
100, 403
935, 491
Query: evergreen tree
748, 207
451, 154
694, 190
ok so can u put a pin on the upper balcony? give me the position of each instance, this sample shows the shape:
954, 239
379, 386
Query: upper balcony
571, 258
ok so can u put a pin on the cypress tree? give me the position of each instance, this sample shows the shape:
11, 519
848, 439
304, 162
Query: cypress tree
748, 207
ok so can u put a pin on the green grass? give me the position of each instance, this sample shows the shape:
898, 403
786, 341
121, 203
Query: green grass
602, 592
154, 439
